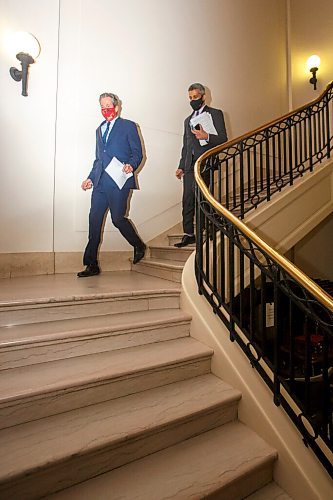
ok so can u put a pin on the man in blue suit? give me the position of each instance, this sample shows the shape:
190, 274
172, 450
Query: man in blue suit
118, 138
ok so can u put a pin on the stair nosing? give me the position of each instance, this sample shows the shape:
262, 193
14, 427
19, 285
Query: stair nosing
96, 297
89, 333
103, 378
155, 262
182, 449
228, 397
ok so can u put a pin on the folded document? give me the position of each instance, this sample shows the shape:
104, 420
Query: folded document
115, 171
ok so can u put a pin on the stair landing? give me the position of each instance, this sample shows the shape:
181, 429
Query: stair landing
65, 286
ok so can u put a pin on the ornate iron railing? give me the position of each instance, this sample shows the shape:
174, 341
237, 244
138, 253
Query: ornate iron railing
282, 320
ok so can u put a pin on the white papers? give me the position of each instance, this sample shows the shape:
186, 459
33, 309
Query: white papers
206, 121
115, 171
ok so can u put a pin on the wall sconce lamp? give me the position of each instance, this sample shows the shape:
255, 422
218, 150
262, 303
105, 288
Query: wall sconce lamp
27, 49
313, 64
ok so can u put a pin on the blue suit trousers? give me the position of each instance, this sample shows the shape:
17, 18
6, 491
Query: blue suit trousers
116, 201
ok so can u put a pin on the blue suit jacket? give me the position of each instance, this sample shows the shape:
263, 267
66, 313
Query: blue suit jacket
124, 143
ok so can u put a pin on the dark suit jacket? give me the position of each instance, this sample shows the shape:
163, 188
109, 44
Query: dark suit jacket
191, 147
124, 143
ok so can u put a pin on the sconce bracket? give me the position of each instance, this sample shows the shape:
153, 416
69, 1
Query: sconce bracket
17, 74
314, 80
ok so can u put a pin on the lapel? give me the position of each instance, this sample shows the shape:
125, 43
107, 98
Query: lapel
100, 131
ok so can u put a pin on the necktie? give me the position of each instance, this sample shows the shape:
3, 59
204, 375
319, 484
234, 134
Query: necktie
106, 132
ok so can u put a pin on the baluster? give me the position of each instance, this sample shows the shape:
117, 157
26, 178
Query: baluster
315, 142
300, 144
227, 184
295, 146
253, 301
255, 173
261, 168
231, 275
310, 141
219, 180
284, 143
328, 132
241, 179
305, 140
248, 153
234, 186
274, 157
241, 289
279, 155
268, 176
223, 266
290, 150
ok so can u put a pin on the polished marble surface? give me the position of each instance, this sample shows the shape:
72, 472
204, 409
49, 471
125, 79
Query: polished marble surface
68, 285
216, 464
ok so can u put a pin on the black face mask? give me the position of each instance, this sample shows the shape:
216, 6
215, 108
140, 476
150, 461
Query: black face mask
196, 104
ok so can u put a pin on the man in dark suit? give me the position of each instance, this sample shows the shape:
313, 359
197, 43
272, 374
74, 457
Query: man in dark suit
115, 138
195, 142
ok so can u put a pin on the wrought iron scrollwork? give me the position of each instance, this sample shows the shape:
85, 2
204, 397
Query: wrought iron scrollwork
276, 320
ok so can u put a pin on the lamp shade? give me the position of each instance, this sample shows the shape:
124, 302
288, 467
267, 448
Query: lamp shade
22, 41
313, 62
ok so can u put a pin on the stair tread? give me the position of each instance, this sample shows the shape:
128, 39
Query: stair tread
33, 445
194, 468
54, 376
14, 335
174, 264
52, 289
187, 249
269, 492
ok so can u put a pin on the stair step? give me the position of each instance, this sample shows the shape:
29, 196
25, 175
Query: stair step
171, 253
54, 308
269, 492
161, 268
56, 452
229, 461
44, 389
175, 238
23, 345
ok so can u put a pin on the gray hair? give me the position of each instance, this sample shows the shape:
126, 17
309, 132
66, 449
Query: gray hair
197, 86
115, 99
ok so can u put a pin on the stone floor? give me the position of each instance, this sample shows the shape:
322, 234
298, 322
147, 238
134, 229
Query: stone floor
66, 285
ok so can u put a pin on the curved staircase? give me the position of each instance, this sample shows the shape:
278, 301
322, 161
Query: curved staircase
105, 395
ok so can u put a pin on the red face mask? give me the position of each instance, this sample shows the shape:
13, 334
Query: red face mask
109, 113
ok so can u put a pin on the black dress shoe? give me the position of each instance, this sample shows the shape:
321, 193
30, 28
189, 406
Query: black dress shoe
91, 270
186, 240
139, 253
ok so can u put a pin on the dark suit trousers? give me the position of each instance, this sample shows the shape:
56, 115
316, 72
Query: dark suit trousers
116, 201
189, 200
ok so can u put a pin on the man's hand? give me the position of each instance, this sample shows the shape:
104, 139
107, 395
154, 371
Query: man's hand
127, 168
200, 134
87, 184
179, 173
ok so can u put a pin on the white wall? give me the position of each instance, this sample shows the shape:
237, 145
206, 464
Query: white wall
27, 131
311, 33
147, 52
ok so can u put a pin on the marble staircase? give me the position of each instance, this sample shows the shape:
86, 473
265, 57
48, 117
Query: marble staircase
105, 395
165, 261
